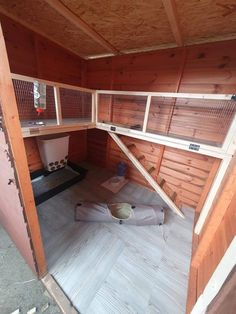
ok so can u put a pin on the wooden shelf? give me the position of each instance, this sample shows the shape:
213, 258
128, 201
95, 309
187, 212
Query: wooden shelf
52, 129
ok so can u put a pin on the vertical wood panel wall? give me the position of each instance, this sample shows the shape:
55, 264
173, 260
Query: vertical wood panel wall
33, 55
215, 237
208, 68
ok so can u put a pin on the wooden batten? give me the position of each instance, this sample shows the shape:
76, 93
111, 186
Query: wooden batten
171, 11
78, 22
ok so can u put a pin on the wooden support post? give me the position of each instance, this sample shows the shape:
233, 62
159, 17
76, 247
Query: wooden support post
211, 195
93, 109
146, 175
13, 129
96, 104
58, 104
146, 115
230, 140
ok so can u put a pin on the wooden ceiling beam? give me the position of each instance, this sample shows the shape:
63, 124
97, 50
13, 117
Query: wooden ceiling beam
171, 12
83, 26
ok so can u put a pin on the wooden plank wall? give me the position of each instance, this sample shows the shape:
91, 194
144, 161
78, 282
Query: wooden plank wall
208, 68
152, 153
32, 153
33, 55
156, 71
186, 173
215, 237
97, 147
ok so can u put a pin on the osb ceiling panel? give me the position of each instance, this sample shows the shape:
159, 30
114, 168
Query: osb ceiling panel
38, 15
206, 19
130, 24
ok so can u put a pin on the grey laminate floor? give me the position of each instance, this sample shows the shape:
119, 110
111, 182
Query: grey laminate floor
109, 268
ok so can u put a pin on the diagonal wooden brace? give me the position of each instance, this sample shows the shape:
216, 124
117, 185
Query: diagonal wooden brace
146, 175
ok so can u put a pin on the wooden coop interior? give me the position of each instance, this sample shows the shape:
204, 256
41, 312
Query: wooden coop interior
149, 83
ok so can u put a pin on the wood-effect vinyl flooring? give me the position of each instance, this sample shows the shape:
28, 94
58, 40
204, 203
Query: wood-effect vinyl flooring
116, 269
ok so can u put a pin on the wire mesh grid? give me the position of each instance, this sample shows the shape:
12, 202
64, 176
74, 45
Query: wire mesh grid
125, 110
25, 102
75, 104
201, 120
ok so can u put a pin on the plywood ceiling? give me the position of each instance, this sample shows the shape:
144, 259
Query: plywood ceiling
207, 19
39, 16
99, 27
127, 24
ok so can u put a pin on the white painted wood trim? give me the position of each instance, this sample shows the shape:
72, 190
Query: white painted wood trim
230, 139
93, 109
217, 280
146, 115
163, 94
166, 140
96, 107
212, 194
53, 129
57, 293
50, 83
57, 99
146, 175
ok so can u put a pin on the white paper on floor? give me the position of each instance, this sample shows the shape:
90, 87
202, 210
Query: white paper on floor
115, 184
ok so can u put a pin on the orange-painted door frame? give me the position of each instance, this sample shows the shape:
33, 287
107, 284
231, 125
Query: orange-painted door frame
29, 232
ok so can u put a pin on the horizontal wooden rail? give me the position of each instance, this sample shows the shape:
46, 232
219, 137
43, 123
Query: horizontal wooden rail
171, 95
53, 129
51, 83
166, 140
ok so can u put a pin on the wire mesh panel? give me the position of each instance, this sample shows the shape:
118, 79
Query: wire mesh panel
160, 113
199, 120
124, 110
28, 115
76, 106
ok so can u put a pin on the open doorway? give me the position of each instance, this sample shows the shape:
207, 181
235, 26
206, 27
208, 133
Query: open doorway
105, 267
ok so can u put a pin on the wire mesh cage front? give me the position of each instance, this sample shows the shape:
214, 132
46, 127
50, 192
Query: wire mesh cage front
205, 121
123, 110
76, 106
28, 115
200, 120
